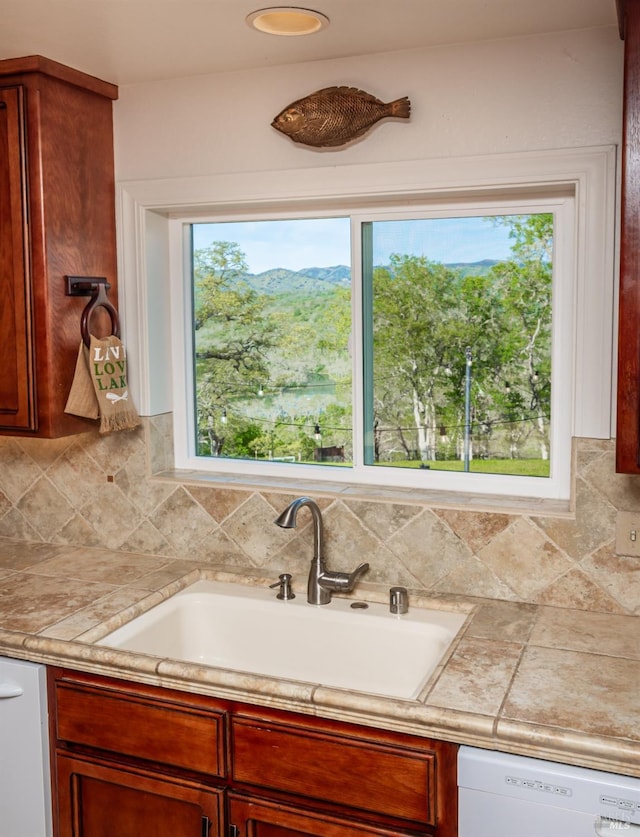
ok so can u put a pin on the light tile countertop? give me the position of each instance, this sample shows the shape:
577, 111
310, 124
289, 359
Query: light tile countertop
554, 683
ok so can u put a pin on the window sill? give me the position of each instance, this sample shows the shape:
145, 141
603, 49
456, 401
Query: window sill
437, 499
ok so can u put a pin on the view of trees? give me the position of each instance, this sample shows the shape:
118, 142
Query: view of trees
460, 358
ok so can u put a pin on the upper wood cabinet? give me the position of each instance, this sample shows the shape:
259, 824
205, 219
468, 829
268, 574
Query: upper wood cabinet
57, 219
628, 406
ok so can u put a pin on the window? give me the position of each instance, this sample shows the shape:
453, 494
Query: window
575, 185
423, 348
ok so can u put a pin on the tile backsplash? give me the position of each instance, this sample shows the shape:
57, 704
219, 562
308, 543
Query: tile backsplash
96, 491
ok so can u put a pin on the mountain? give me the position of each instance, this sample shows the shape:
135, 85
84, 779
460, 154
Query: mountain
473, 268
311, 280
317, 280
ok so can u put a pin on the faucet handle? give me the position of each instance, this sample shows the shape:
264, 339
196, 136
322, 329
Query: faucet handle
361, 569
342, 582
284, 583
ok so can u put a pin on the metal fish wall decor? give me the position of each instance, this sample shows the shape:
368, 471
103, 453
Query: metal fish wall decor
334, 116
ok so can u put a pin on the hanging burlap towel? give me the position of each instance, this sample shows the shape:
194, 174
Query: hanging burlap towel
99, 388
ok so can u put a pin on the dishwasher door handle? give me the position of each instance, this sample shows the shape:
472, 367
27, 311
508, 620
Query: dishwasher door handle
10, 690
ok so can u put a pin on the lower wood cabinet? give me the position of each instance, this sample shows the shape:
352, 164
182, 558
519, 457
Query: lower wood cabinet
254, 817
131, 759
96, 799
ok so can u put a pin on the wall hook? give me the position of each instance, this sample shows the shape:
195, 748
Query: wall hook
96, 287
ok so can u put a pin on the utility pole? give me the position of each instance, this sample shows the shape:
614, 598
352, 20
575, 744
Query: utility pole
467, 407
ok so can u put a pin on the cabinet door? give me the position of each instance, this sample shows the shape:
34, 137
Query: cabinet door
17, 370
252, 817
96, 799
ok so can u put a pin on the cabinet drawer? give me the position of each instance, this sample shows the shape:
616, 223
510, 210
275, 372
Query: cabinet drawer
346, 770
172, 732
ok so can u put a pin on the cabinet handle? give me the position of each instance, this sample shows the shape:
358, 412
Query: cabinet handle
10, 690
234, 831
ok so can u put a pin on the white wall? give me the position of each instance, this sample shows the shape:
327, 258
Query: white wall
543, 92
208, 140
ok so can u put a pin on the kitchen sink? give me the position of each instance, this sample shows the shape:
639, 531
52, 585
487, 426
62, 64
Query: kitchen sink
349, 644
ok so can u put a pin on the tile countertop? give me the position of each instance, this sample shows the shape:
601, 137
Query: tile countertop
549, 682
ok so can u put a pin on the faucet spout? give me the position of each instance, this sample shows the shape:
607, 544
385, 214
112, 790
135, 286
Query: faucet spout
287, 520
321, 581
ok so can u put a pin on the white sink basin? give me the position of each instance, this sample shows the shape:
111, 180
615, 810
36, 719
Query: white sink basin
234, 626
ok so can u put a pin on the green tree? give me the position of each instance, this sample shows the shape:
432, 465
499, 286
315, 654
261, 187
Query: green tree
426, 315
232, 338
527, 282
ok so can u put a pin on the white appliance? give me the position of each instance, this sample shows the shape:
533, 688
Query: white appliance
25, 786
502, 795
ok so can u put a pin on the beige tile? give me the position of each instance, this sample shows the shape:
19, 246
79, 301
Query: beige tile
183, 522
573, 691
576, 590
146, 538
100, 565
476, 529
619, 575
15, 525
44, 452
88, 617
470, 577
159, 437
218, 502
524, 559
79, 532
598, 633
111, 514
32, 603
383, 519
46, 509
159, 578
76, 476
252, 528
219, 549
476, 676
428, 549
594, 523
20, 555
132, 480
621, 490
348, 543
18, 471
5, 504
506, 621
112, 451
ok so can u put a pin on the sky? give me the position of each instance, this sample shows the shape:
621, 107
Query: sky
324, 242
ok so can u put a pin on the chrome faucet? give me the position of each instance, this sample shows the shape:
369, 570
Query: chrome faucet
322, 582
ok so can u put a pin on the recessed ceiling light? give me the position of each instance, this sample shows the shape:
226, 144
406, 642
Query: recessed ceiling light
287, 20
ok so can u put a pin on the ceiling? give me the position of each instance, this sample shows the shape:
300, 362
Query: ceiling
132, 41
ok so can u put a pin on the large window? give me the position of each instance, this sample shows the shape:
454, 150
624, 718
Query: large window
426, 348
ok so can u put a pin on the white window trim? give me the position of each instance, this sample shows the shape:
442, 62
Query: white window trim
151, 270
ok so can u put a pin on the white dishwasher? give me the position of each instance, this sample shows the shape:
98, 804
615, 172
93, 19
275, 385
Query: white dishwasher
502, 795
25, 786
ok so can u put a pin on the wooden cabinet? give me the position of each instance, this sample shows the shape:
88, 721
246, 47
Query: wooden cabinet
376, 775
57, 219
628, 401
254, 817
96, 799
187, 765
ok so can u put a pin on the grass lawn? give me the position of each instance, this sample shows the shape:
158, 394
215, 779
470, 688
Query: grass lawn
516, 467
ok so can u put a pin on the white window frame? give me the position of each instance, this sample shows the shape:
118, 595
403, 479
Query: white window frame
151, 223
